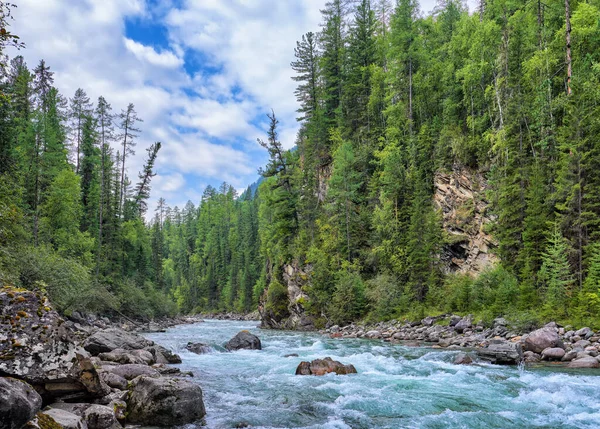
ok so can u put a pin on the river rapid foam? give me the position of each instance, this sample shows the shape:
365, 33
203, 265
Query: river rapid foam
396, 386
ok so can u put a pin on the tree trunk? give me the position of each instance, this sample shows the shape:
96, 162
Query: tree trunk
569, 61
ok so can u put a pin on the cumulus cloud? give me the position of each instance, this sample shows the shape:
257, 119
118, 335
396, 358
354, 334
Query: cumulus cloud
147, 53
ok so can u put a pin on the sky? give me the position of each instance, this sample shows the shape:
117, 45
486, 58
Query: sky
202, 74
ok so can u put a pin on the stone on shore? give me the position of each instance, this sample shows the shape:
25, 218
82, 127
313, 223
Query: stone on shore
324, 366
244, 340
19, 403
101, 417
131, 371
541, 339
553, 353
584, 362
164, 401
502, 353
56, 418
111, 339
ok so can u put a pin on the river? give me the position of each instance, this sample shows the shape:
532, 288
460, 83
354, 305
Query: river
396, 386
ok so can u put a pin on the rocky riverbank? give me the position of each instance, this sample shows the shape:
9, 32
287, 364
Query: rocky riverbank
501, 343
85, 372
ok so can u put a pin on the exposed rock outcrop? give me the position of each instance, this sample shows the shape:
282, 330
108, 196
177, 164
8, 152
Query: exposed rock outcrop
502, 353
324, 366
460, 195
38, 347
199, 348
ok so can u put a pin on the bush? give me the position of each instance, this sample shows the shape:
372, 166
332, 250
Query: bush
277, 301
67, 283
348, 302
384, 293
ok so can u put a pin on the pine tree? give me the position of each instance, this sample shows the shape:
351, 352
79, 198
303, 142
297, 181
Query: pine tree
127, 123
142, 189
80, 108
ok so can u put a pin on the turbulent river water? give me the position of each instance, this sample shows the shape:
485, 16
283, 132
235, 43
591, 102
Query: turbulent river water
396, 386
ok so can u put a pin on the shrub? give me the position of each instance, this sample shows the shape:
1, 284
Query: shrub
349, 301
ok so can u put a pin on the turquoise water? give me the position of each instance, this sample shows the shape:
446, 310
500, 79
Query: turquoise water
396, 386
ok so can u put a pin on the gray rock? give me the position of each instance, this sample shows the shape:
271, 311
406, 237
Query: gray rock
55, 417
19, 403
36, 345
111, 339
101, 417
531, 357
143, 357
584, 362
569, 356
199, 348
244, 340
584, 333
464, 324
581, 344
500, 321
163, 355
373, 334
503, 353
131, 371
454, 320
553, 353
113, 380
164, 401
542, 339
463, 359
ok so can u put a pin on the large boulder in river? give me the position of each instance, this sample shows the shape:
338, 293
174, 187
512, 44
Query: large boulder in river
164, 401
111, 339
38, 347
553, 353
19, 403
541, 339
244, 340
502, 353
324, 366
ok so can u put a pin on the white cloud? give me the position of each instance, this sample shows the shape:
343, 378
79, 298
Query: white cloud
147, 53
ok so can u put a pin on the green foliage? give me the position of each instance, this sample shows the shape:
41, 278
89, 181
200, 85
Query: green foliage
277, 301
348, 302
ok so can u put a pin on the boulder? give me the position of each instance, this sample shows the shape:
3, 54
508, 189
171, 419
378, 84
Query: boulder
36, 345
464, 324
143, 357
113, 380
531, 357
569, 356
584, 362
463, 359
584, 333
19, 403
244, 340
198, 348
131, 371
373, 334
324, 366
503, 353
163, 355
542, 339
454, 320
56, 418
101, 417
553, 353
164, 401
110, 339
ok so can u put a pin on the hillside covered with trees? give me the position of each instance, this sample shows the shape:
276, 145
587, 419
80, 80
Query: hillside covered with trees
389, 97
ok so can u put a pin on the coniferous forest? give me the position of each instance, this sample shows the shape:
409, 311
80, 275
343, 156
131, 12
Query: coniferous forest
389, 99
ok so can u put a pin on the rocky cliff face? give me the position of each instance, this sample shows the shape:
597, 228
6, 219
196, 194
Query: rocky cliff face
460, 196
295, 278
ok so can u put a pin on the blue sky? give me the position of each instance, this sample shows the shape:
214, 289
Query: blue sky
202, 74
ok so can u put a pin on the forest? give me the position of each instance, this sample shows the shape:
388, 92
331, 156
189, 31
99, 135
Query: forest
389, 97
